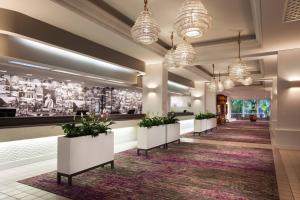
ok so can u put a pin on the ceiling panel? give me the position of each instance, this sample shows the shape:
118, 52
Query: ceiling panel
228, 16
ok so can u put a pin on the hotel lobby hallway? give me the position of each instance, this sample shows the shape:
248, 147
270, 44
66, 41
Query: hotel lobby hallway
257, 135
221, 169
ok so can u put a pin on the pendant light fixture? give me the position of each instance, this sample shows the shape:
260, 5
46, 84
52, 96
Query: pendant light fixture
239, 70
228, 83
220, 84
184, 53
247, 81
170, 59
212, 85
145, 29
192, 19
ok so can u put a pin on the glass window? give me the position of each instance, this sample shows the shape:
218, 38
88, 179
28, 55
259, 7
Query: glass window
264, 108
236, 108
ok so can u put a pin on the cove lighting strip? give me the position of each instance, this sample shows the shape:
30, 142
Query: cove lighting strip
66, 72
29, 65
62, 71
75, 56
171, 83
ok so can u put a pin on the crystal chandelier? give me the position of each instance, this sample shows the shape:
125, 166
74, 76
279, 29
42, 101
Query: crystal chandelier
239, 71
192, 19
212, 85
145, 29
184, 53
169, 59
247, 81
228, 83
220, 84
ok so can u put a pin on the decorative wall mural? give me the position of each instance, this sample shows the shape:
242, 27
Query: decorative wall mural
35, 97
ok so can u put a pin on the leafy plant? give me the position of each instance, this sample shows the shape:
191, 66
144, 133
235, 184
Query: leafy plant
88, 126
170, 119
210, 115
148, 122
200, 116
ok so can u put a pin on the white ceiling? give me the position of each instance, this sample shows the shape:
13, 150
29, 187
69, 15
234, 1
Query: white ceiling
237, 16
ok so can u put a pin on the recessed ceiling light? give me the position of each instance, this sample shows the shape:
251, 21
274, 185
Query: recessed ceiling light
68, 80
29, 65
28, 74
3, 71
50, 78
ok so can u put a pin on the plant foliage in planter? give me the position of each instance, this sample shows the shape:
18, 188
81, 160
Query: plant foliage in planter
200, 116
170, 119
88, 126
148, 122
210, 115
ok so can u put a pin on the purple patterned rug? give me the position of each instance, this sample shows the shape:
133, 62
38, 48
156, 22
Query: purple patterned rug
239, 131
185, 171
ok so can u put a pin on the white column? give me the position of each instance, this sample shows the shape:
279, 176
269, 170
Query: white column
273, 118
229, 108
287, 131
155, 90
198, 98
210, 101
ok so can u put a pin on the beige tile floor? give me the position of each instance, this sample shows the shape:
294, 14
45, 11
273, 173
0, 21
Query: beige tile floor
287, 164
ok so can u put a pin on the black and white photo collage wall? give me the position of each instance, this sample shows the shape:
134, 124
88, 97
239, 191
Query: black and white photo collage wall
35, 97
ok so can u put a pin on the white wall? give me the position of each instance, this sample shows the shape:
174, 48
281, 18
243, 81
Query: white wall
180, 103
287, 131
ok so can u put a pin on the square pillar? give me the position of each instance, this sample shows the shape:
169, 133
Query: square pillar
155, 90
287, 130
198, 97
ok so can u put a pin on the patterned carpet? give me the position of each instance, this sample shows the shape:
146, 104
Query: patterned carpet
238, 131
185, 171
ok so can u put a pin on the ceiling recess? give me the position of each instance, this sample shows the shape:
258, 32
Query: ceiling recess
291, 11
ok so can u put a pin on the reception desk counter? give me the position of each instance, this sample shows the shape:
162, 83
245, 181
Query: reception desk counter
11, 122
26, 144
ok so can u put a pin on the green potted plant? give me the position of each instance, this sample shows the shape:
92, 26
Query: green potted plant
172, 128
200, 123
253, 115
151, 133
87, 144
211, 121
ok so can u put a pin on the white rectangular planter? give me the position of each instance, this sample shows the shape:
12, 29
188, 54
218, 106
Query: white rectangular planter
211, 123
173, 132
148, 138
200, 125
80, 153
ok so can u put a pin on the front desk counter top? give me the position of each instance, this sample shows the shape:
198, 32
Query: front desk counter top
19, 128
14, 122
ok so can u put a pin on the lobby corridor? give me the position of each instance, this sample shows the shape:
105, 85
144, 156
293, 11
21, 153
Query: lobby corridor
257, 135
